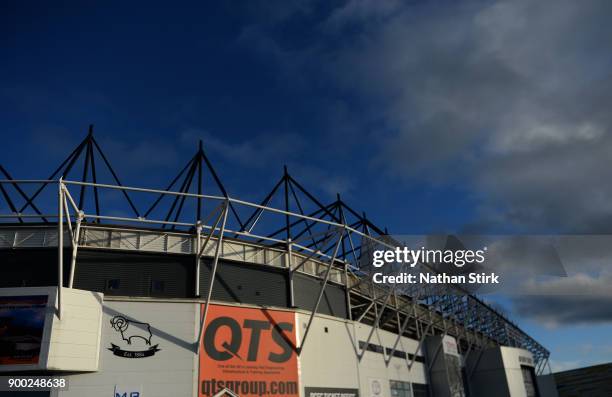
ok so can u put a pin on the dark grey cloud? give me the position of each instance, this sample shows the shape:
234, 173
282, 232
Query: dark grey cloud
511, 98
577, 299
554, 311
583, 296
508, 98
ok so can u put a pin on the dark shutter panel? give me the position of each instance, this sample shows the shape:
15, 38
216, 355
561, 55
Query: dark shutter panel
306, 290
245, 283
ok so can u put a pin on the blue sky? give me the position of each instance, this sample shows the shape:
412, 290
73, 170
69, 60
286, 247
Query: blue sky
474, 117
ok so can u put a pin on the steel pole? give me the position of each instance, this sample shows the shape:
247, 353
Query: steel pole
197, 252
60, 247
214, 271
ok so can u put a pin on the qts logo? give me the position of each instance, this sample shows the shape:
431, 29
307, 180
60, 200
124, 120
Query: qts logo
256, 330
248, 351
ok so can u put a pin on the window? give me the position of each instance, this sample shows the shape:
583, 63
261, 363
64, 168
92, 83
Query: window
371, 347
420, 390
396, 353
400, 389
529, 381
113, 284
455, 375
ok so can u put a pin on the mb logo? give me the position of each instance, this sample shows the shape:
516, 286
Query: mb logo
128, 391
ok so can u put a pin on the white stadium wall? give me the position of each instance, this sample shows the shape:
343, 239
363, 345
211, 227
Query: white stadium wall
162, 366
328, 360
372, 367
114, 345
331, 360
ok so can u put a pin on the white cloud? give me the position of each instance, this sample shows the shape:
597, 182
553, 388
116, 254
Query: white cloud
559, 366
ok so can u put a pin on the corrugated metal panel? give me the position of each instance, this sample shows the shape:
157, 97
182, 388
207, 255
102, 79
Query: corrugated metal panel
31, 267
210, 247
179, 244
152, 241
129, 240
245, 283
306, 290
31, 238
254, 254
97, 238
310, 267
233, 251
274, 258
593, 381
7, 237
136, 273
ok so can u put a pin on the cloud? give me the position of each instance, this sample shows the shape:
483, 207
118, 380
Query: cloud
509, 96
559, 366
577, 299
362, 11
508, 99
267, 150
582, 297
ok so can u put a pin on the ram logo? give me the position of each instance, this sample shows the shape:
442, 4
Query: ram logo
131, 329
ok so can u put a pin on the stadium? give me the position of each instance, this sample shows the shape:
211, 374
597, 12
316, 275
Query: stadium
179, 291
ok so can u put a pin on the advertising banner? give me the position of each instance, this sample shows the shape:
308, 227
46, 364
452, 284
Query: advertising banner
250, 352
22, 321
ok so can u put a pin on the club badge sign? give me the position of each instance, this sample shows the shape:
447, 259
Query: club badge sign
133, 334
248, 351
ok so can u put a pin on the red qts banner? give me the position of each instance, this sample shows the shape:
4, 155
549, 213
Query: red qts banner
248, 351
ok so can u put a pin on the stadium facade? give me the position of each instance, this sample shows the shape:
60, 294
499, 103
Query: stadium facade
203, 294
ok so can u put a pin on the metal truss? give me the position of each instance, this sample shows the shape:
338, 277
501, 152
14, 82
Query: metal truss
332, 242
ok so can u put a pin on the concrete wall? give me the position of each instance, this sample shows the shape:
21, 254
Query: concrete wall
547, 386
170, 371
497, 371
486, 373
75, 339
330, 358
445, 372
512, 359
319, 368
372, 366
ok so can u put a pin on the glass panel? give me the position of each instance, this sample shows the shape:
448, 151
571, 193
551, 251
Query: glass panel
420, 390
400, 389
528, 380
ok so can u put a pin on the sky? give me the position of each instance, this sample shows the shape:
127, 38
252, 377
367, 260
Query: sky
432, 116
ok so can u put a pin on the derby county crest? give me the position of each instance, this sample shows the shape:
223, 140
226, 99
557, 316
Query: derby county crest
132, 332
